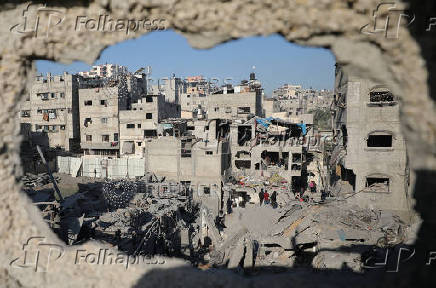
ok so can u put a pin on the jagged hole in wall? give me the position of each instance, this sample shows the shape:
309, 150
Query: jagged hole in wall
230, 157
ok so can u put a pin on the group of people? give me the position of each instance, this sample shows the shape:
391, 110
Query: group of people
264, 197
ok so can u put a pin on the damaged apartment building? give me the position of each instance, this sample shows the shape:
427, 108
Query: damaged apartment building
100, 103
370, 155
49, 116
141, 122
263, 147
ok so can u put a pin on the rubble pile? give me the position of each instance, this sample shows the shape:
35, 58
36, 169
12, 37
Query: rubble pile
31, 180
135, 216
304, 235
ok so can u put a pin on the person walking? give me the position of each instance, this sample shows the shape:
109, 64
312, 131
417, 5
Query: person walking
266, 197
274, 199
261, 197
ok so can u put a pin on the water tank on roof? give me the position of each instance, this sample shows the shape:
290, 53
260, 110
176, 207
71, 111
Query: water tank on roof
252, 76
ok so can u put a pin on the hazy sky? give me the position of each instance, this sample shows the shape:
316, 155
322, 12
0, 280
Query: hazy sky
276, 61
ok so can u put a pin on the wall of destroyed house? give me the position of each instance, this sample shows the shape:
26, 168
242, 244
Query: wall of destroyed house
375, 157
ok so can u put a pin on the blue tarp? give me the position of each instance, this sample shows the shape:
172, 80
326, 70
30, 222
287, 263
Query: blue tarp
303, 128
265, 122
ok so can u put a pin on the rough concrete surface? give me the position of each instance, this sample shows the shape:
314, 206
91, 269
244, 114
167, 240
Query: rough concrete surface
404, 64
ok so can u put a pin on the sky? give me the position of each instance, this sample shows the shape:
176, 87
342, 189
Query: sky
274, 60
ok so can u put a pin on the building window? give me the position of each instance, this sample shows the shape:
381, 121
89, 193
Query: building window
228, 109
115, 137
103, 120
139, 143
62, 127
149, 116
88, 103
150, 133
206, 190
53, 95
185, 149
139, 125
148, 99
105, 138
88, 138
243, 110
217, 109
377, 184
103, 102
188, 96
209, 152
130, 126
381, 95
25, 113
87, 122
379, 140
62, 94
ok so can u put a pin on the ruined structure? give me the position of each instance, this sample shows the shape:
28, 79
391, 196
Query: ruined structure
371, 152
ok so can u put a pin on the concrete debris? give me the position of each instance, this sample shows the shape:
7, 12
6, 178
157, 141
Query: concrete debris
31, 180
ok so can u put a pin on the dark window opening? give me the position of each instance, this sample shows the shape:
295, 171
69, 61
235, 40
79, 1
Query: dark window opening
295, 167
190, 128
186, 146
139, 125
150, 133
296, 157
377, 184
379, 141
149, 116
148, 99
381, 96
88, 103
244, 135
103, 102
206, 190
209, 153
243, 110
105, 138
115, 137
130, 126
243, 164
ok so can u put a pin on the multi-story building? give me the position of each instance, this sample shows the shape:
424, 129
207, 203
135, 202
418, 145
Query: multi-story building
141, 122
370, 152
51, 111
259, 154
99, 107
287, 91
104, 71
241, 101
